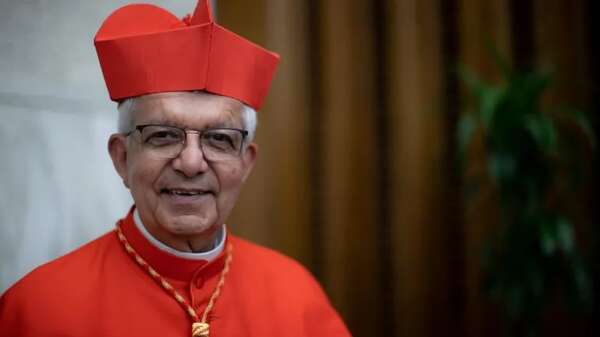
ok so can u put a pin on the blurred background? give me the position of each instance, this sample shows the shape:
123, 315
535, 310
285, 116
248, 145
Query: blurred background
359, 174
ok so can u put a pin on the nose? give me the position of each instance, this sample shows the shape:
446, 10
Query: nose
191, 160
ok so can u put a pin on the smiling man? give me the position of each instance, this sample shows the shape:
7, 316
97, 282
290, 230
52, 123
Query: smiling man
184, 156
188, 91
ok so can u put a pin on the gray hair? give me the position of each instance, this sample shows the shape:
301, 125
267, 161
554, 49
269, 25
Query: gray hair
125, 122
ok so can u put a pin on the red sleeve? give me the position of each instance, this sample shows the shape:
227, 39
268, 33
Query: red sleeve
11, 316
321, 319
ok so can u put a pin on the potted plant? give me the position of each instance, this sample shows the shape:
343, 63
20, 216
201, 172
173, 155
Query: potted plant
531, 155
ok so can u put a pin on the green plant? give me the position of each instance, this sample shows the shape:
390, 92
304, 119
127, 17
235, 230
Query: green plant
531, 157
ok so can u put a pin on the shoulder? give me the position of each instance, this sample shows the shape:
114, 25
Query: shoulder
266, 259
275, 271
46, 281
64, 267
285, 289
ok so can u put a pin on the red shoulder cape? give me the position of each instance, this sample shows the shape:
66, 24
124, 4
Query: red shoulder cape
98, 290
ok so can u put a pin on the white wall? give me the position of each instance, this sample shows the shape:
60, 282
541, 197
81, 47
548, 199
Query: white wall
58, 187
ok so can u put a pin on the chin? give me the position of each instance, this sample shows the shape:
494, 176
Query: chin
190, 225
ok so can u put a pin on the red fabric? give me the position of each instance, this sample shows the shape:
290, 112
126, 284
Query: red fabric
145, 49
98, 290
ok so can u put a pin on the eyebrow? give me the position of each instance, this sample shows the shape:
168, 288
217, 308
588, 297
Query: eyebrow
220, 125
228, 122
214, 125
164, 122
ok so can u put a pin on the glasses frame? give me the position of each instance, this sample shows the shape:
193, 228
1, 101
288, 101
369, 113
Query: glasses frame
141, 127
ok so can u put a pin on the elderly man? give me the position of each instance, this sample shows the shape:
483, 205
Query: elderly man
187, 92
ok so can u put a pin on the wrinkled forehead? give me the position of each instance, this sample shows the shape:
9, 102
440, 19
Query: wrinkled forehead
188, 109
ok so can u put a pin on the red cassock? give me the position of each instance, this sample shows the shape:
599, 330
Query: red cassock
99, 290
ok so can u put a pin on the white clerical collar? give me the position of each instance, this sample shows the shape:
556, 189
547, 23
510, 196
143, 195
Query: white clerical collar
207, 256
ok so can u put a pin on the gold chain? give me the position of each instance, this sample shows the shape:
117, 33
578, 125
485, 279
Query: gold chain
200, 327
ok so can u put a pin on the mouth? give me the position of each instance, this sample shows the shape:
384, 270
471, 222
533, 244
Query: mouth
185, 192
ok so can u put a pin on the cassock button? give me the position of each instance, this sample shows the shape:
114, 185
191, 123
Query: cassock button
199, 282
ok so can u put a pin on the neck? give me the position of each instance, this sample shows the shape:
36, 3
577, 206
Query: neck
204, 246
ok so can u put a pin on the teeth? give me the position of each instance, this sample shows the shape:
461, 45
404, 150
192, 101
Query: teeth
185, 193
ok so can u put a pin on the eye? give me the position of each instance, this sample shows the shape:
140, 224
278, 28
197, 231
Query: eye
223, 140
161, 136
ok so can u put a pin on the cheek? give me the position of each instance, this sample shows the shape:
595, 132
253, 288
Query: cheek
230, 180
142, 177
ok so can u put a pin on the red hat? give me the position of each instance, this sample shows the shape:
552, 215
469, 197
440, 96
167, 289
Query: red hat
145, 49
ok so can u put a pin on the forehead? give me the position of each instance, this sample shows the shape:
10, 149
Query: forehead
188, 109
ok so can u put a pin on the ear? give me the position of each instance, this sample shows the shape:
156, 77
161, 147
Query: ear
117, 147
248, 159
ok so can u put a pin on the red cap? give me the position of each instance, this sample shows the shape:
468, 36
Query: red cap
145, 49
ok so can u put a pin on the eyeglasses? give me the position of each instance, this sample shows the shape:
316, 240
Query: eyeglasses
167, 142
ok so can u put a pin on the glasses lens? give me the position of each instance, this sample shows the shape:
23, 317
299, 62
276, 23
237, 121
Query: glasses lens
222, 144
163, 141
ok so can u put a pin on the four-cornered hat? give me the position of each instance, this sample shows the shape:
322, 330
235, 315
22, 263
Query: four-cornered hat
145, 49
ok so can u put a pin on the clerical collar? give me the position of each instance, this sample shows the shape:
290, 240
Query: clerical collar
205, 256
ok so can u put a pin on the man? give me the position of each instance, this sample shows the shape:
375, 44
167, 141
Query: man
187, 90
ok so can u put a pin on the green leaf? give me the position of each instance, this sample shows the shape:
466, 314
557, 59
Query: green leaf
514, 299
475, 86
528, 89
465, 129
548, 238
581, 120
489, 101
543, 131
565, 235
582, 282
556, 233
502, 166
